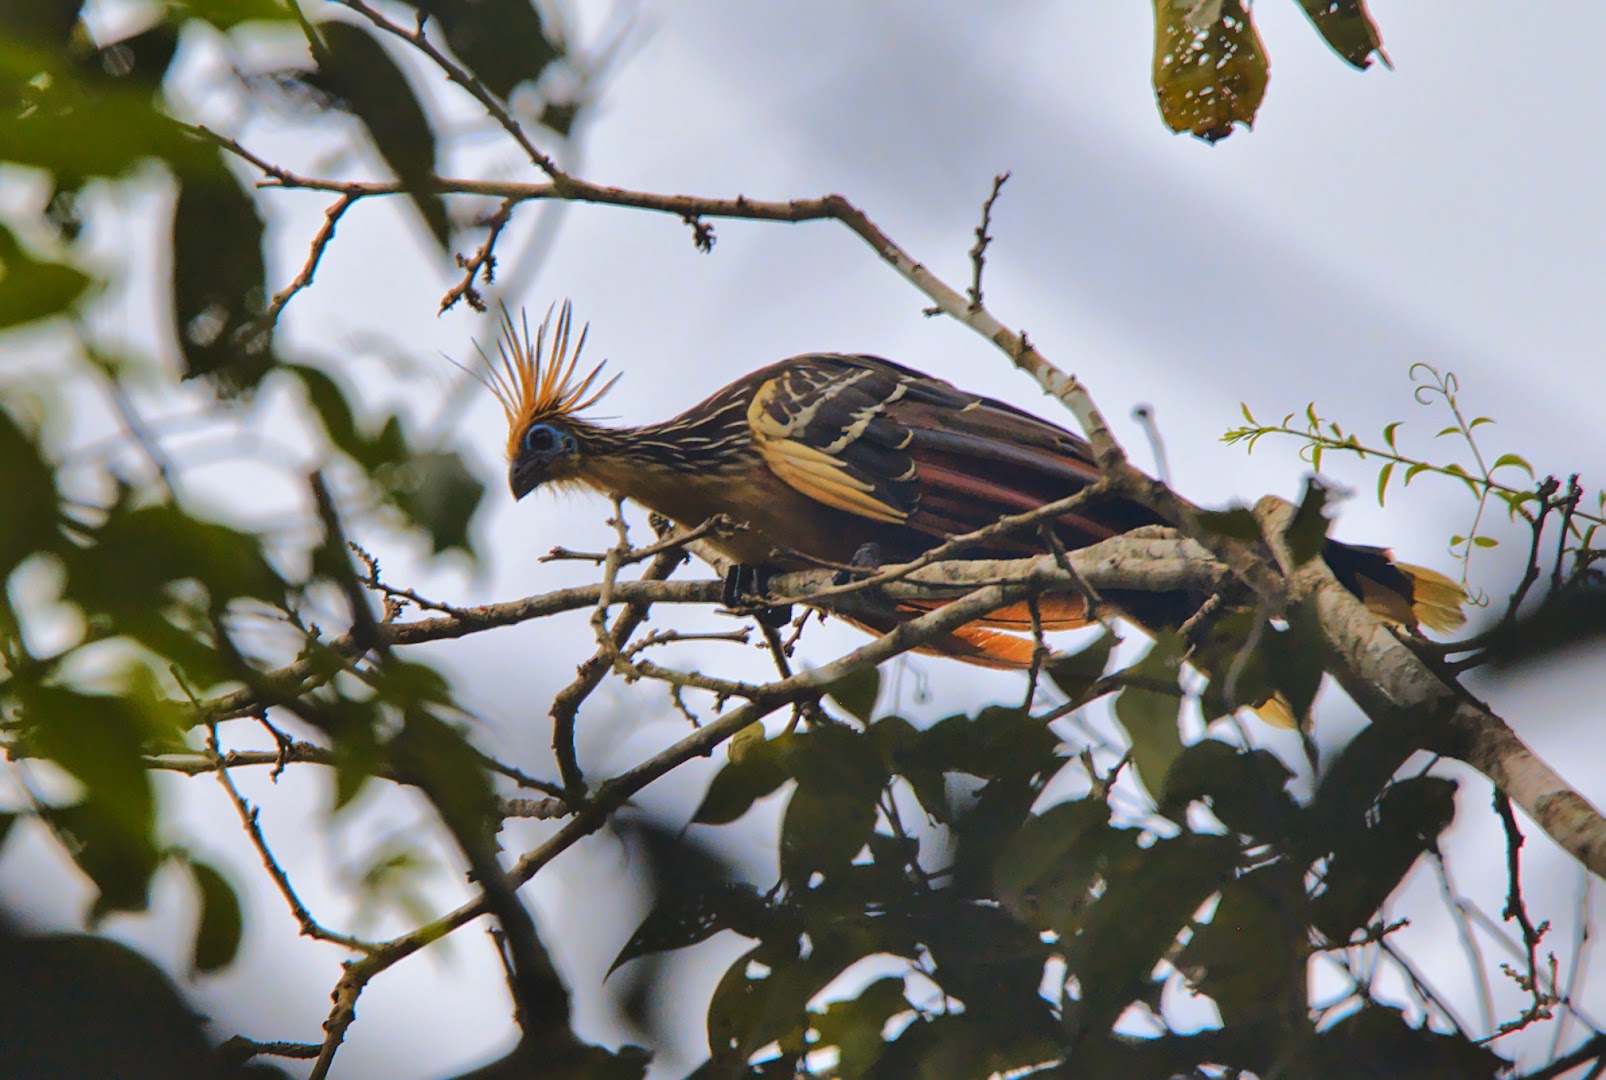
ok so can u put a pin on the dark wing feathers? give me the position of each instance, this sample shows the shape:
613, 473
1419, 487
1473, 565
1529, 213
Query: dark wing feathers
896, 446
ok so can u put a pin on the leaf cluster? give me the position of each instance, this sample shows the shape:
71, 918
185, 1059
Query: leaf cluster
948, 906
1500, 479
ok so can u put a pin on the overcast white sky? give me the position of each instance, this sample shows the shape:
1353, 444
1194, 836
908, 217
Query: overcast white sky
1447, 212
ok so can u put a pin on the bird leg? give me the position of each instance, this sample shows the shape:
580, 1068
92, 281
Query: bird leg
867, 559
868, 602
745, 587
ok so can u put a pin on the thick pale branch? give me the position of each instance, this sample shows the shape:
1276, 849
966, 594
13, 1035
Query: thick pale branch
1143, 562
1394, 686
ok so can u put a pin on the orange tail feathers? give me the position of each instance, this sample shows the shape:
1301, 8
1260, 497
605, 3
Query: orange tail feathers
1001, 639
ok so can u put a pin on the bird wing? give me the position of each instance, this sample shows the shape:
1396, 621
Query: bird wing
893, 445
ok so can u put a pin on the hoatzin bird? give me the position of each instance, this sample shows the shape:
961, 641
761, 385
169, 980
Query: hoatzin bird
823, 454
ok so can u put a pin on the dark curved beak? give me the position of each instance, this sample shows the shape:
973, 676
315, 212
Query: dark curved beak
523, 478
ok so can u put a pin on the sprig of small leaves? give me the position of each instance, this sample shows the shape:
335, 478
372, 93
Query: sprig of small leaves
1484, 479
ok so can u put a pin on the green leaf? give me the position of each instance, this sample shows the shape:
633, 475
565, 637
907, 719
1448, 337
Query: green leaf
333, 406
358, 70
1516, 461
32, 289
218, 933
683, 920
1250, 957
1075, 673
501, 41
76, 127
1414, 470
1044, 871
822, 830
140, 553
1347, 29
1368, 864
1149, 900
1479, 420
1246, 790
1485, 541
1307, 532
227, 14
828, 820
1388, 433
763, 997
1149, 711
118, 855
31, 521
351, 726
917, 757
8, 819
741, 783
43, 22
219, 291
1210, 67
1383, 481
437, 492
854, 1026
100, 739
1293, 657
990, 962
439, 759
1461, 474
856, 692
1379, 1034
1233, 523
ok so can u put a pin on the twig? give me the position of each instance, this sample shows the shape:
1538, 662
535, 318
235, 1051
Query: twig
482, 261
670, 637
1040, 652
978, 252
253, 829
239, 1049
315, 250
566, 703
372, 580
294, 752
1515, 908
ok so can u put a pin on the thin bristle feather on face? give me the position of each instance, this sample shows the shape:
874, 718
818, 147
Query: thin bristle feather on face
530, 389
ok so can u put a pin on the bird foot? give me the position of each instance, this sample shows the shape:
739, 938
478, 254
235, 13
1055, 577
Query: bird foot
867, 558
745, 589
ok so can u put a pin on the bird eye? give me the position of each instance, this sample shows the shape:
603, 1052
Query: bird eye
546, 439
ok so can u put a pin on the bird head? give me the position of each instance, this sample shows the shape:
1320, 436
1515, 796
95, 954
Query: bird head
536, 384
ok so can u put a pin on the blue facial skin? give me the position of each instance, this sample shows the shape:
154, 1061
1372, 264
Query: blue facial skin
542, 446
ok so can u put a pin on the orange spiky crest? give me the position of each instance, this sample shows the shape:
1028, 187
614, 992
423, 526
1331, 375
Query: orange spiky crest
530, 389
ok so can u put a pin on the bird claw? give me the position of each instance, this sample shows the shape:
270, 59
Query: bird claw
867, 558
745, 588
